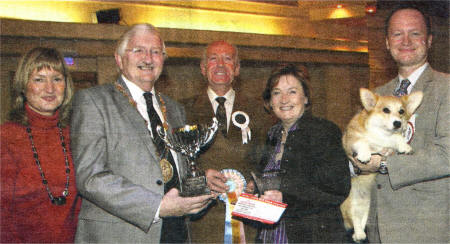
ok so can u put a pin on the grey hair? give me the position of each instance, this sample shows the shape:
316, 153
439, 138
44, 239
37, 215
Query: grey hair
135, 29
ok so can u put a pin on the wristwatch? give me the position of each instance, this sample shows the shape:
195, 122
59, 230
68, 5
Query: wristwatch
383, 167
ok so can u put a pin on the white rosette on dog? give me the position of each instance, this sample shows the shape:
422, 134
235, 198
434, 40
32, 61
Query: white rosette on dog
241, 120
410, 129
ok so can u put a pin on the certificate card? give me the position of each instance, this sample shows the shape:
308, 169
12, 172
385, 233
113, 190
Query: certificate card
265, 211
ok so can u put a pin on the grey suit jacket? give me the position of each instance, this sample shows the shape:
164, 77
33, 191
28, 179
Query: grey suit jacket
413, 199
117, 167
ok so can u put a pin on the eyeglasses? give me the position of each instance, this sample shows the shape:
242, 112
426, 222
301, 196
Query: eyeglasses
143, 51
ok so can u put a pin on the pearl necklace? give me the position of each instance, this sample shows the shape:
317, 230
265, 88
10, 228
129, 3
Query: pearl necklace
61, 200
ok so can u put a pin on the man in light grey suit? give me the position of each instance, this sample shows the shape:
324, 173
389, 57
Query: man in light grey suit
121, 173
412, 199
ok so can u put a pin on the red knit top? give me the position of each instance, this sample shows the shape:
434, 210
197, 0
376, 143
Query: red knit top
27, 215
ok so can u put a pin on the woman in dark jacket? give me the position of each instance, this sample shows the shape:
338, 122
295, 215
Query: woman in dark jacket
309, 150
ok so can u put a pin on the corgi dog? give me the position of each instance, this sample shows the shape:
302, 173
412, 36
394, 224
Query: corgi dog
377, 129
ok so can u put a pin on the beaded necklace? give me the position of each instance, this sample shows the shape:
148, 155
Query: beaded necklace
61, 200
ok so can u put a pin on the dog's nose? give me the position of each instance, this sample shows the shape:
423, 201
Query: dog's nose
397, 124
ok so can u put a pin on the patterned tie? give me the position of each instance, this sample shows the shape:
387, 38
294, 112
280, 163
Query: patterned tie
160, 145
222, 115
403, 89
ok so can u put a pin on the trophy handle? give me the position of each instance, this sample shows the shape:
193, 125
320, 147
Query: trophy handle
162, 133
171, 141
211, 132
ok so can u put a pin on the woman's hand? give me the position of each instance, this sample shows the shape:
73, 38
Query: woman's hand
273, 195
250, 189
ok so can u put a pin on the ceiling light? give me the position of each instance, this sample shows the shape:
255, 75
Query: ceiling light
370, 9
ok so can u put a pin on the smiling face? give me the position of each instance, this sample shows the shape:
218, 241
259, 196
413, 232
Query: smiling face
143, 59
288, 100
45, 91
407, 38
220, 66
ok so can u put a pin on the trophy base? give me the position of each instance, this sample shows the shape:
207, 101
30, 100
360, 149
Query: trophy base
195, 186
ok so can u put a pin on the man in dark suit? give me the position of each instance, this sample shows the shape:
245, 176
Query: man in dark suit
236, 141
412, 199
128, 179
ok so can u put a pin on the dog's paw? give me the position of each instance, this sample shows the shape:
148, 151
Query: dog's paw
405, 148
363, 157
359, 237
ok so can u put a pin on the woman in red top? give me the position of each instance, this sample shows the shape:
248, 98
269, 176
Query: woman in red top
38, 195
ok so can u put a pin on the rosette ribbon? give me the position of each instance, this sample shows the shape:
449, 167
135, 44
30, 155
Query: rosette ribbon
234, 229
241, 120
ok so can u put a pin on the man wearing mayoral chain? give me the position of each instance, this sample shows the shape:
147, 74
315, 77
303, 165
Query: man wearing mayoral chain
128, 178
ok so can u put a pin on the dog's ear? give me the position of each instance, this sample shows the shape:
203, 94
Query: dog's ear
368, 98
412, 101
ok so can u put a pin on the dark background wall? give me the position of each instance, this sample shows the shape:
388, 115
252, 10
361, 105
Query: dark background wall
340, 56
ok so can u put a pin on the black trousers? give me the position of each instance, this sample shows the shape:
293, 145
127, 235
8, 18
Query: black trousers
174, 230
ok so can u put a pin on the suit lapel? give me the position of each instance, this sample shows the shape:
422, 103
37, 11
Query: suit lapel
203, 112
173, 117
392, 86
131, 114
424, 80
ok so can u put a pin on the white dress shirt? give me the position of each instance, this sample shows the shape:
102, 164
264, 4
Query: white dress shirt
413, 77
230, 95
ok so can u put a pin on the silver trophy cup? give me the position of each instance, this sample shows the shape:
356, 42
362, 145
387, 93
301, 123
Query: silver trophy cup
188, 140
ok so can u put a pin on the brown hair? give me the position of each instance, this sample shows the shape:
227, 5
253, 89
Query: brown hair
300, 73
411, 6
37, 59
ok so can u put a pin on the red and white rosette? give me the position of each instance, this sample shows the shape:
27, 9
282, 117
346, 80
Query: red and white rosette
410, 129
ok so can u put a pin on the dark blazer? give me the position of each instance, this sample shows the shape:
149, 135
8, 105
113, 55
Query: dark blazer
117, 167
316, 182
413, 199
223, 153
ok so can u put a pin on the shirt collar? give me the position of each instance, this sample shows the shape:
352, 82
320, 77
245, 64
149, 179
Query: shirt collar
414, 76
136, 91
229, 96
